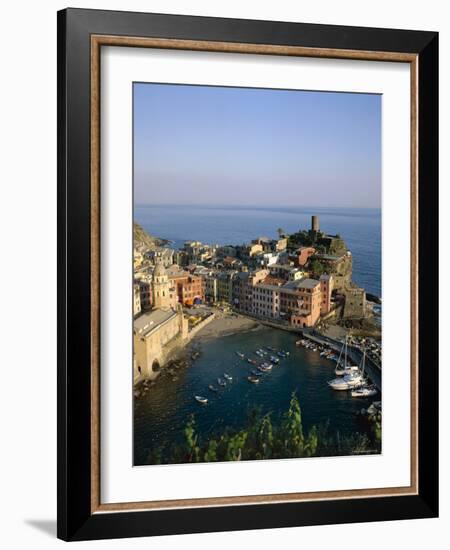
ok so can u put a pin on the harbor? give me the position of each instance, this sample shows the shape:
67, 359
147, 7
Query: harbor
226, 378
354, 354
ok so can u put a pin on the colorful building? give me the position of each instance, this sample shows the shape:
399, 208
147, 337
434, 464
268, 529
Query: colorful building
303, 254
189, 288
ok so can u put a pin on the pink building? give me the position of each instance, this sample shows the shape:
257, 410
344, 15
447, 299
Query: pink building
326, 288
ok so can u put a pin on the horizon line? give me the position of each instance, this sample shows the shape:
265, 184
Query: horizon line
256, 207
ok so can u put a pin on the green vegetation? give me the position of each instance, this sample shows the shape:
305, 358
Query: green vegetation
317, 268
263, 438
302, 238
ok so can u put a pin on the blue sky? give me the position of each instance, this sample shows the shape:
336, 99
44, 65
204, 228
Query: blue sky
224, 146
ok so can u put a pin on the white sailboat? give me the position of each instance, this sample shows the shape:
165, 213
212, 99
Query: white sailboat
350, 381
343, 369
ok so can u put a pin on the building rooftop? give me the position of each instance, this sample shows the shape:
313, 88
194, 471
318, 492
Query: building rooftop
230, 260
275, 281
174, 271
269, 286
302, 283
146, 323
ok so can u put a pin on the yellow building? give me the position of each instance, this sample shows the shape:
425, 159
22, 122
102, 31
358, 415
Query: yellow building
156, 334
138, 258
164, 291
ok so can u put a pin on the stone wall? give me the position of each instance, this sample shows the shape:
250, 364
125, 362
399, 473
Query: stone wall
355, 303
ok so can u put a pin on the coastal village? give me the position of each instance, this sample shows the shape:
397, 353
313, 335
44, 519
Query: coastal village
301, 282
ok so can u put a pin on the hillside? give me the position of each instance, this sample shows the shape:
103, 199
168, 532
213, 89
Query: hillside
144, 239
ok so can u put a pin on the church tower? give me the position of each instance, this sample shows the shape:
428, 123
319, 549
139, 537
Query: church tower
163, 293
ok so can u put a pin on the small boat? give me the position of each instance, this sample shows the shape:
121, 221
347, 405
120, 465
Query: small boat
274, 359
212, 388
221, 382
251, 361
364, 391
227, 376
347, 382
239, 354
253, 379
266, 368
201, 399
256, 372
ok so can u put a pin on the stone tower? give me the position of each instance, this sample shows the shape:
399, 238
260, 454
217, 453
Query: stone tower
162, 291
314, 231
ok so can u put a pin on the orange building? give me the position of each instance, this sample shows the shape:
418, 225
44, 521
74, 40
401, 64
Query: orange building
190, 289
303, 254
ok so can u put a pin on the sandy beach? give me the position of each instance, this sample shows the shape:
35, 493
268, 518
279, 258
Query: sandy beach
225, 323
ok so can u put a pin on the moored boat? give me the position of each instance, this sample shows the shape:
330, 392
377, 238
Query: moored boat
253, 379
342, 370
256, 372
364, 391
347, 382
227, 376
221, 382
212, 388
200, 399
266, 368
353, 380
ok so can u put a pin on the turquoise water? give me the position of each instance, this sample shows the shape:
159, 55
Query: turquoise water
162, 413
359, 227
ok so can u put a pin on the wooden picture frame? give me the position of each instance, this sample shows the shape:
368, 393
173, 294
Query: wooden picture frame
81, 35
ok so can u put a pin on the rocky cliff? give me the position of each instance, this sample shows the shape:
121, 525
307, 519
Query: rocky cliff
142, 239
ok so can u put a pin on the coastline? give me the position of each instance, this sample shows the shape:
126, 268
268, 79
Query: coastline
226, 324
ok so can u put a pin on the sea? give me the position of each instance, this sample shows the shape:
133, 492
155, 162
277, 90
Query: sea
359, 227
160, 415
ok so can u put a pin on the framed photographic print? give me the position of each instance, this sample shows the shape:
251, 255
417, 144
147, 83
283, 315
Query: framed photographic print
247, 274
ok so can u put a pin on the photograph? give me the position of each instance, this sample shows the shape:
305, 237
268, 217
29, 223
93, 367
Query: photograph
257, 287
247, 293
